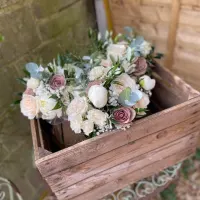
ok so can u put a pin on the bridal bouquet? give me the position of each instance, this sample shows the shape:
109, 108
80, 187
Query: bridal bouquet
105, 90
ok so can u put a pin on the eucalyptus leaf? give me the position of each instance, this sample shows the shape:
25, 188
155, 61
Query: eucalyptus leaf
33, 69
58, 60
139, 40
129, 98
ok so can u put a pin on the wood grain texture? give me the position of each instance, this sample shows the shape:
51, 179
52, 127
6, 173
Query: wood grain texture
145, 172
113, 158
176, 89
134, 164
106, 142
33, 125
172, 32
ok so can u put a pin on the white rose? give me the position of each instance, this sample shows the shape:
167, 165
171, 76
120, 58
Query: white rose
98, 95
117, 51
76, 123
33, 83
147, 83
47, 105
97, 73
88, 127
144, 102
124, 81
98, 117
77, 106
29, 106
145, 48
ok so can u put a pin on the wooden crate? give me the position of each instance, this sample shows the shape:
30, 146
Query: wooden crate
99, 166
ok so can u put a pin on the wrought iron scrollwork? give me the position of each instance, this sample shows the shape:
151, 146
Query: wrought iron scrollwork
147, 186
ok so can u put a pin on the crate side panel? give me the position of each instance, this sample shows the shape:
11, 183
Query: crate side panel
132, 165
92, 148
135, 176
101, 163
170, 90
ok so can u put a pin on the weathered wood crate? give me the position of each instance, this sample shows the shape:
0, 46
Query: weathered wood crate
96, 167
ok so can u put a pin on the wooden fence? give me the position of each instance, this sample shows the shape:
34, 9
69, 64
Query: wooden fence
173, 26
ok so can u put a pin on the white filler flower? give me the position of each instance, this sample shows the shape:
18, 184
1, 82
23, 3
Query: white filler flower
147, 83
98, 73
33, 83
98, 95
98, 117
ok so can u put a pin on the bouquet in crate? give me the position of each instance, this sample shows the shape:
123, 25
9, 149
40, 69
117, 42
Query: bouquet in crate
106, 90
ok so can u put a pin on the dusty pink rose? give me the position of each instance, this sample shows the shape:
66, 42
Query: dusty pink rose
57, 81
124, 115
90, 84
141, 66
29, 91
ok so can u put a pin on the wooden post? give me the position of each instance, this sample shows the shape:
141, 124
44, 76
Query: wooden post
171, 41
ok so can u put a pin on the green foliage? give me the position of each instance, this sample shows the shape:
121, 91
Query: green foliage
197, 155
169, 193
21, 80
1, 38
187, 166
113, 74
17, 102
58, 105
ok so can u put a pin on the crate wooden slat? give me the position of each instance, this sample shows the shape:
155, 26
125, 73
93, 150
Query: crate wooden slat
99, 166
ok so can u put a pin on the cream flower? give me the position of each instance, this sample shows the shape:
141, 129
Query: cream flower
147, 83
123, 81
98, 95
33, 83
87, 127
47, 105
98, 73
144, 102
77, 106
128, 67
106, 63
76, 123
29, 106
145, 48
116, 51
98, 117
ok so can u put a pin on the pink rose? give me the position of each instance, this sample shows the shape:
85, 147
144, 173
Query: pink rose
124, 115
57, 81
29, 91
90, 84
141, 66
